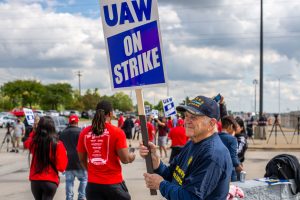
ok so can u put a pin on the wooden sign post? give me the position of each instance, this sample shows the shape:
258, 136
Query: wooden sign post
143, 120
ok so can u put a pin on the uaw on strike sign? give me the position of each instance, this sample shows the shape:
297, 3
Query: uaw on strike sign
133, 42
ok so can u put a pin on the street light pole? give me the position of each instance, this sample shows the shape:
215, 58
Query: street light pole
261, 62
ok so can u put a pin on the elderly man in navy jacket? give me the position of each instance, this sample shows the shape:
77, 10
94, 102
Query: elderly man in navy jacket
203, 168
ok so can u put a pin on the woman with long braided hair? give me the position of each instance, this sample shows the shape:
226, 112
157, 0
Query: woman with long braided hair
100, 148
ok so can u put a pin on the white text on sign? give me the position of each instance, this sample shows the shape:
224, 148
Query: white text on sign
139, 64
129, 13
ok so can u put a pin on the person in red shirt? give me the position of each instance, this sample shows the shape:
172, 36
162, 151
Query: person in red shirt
100, 148
137, 129
162, 135
121, 121
49, 156
151, 129
170, 123
179, 139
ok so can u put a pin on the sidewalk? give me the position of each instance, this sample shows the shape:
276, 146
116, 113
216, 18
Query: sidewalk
284, 141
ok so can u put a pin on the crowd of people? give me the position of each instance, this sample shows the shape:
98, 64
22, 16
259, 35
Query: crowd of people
207, 152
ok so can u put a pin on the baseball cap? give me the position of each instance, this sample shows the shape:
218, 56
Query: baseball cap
180, 122
73, 119
201, 105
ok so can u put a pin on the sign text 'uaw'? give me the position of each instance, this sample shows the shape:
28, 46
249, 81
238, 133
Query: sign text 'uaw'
133, 43
169, 107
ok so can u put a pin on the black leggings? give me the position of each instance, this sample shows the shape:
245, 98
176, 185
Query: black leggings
107, 192
43, 190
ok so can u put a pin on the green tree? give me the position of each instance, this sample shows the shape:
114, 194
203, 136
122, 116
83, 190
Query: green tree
122, 102
149, 104
90, 100
76, 103
57, 94
159, 106
24, 92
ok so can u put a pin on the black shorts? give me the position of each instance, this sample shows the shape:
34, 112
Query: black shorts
107, 192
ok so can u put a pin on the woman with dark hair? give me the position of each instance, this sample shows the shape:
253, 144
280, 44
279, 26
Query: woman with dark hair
49, 156
241, 137
100, 148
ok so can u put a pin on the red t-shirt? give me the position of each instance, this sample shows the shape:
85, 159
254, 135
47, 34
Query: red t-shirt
170, 124
121, 122
49, 174
137, 121
103, 161
178, 136
150, 129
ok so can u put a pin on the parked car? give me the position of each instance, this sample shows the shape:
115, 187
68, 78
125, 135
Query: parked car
66, 113
6, 119
39, 113
7, 114
52, 113
75, 112
18, 112
85, 114
60, 123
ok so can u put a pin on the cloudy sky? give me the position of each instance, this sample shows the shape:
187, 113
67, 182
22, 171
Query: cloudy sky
210, 47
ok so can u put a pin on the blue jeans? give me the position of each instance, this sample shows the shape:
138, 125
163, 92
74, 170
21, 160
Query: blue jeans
82, 177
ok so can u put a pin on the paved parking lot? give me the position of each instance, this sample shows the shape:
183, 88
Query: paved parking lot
14, 170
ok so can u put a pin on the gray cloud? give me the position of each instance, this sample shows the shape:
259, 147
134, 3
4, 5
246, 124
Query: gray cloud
209, 47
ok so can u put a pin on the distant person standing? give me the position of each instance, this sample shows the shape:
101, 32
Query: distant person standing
137, 129
178, 138
229, 127
162, 136
249, 125
127, 127
150, 129
101, 147
19, 131
121, 121
69, 137
262, 124
170, 123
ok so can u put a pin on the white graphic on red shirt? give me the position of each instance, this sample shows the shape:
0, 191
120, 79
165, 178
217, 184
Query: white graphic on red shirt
97, 147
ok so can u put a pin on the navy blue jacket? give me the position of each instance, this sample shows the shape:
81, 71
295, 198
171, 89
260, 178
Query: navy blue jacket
201, 171
231, 143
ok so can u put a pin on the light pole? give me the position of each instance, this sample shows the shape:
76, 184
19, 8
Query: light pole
261, 75
255, 82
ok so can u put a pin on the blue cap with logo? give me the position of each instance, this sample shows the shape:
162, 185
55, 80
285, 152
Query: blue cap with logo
201, 105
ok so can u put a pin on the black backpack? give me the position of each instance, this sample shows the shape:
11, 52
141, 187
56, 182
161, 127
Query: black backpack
284, 166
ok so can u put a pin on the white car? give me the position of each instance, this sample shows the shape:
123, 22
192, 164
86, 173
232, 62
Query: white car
66, 113
39, 113
52, 113
6, 119
75, 112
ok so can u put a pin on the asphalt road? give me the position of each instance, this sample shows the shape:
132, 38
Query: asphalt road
14, 170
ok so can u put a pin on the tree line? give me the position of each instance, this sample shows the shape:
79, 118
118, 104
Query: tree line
59, 96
